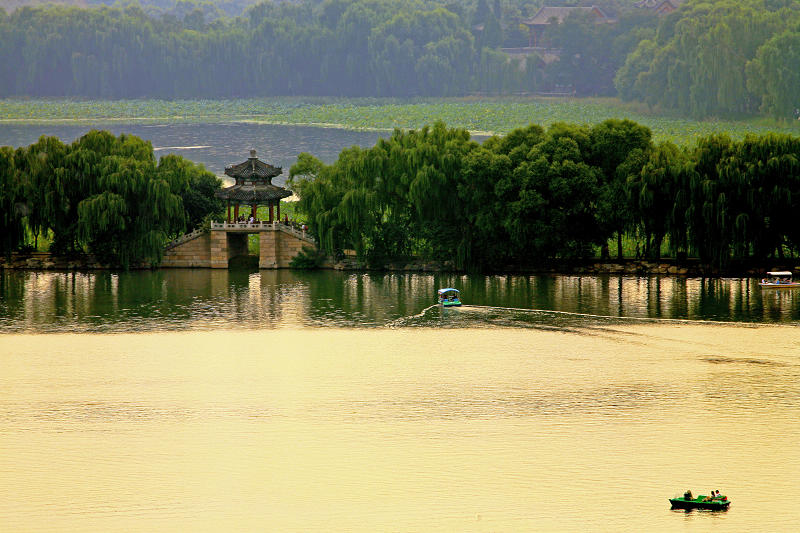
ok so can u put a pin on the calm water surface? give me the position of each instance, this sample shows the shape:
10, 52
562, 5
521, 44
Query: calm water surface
180, 299
214, 145
198, 400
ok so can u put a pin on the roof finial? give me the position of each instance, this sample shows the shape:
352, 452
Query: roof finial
252, 153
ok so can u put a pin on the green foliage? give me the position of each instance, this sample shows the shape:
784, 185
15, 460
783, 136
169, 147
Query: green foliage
539, 194
308, 258
723, 58
774, 73
12, 232
196, 187
726, 58
103, 194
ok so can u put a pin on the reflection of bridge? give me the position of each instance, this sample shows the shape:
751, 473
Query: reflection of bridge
278, 244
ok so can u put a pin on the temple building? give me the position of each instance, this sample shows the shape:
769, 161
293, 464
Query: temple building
547, 15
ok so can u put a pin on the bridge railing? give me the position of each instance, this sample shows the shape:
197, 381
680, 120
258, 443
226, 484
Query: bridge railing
291, 229
184, 238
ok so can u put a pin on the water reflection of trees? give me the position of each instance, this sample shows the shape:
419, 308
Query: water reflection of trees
208, 298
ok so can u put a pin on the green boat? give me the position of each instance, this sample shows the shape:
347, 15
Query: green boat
449, 297
701, 502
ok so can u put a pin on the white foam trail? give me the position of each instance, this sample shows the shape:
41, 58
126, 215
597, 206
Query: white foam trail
642, 318
398, 321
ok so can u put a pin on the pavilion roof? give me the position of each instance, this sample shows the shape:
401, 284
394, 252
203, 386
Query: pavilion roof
253, 169
253, 193
253, 182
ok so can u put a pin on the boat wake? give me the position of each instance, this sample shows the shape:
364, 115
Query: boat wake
403, 319
486, 315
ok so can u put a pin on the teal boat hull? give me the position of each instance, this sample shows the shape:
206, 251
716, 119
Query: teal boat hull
698, 503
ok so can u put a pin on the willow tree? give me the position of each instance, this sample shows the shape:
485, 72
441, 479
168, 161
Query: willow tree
70, 183
12, 232
707, 213
131, 217
37, 164
653, 192
762, 188
320, 190
774, 75
439, 191
390, 201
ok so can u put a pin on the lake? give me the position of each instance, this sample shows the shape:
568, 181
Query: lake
214, 145
205, 400
208, 400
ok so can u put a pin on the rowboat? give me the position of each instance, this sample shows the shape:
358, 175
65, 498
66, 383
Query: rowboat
779, 279
701, 502
449, 297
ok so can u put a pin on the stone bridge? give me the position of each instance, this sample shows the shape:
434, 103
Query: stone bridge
278, 244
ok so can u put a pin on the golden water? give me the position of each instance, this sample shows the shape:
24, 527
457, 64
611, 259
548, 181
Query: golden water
415, 429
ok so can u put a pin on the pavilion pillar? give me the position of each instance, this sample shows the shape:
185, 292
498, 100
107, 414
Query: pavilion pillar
270, 213
236, 212
254, 211
229, 211
278, 204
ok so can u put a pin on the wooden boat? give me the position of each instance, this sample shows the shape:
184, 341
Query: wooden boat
701, 502
449, 297
780, 279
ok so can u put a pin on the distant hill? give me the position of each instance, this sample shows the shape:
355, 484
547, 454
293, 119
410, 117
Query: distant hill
11, 5
231, 8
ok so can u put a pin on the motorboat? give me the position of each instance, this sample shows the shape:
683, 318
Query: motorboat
449, 297
779, 279
718, 503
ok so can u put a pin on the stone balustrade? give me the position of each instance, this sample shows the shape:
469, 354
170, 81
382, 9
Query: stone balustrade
252, 227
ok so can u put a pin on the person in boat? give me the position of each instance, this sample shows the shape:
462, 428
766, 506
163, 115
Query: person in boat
688, 495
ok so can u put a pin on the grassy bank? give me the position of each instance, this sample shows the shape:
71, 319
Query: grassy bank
479, 115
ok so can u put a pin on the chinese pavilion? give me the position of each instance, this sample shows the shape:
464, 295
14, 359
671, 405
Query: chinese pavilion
253, 187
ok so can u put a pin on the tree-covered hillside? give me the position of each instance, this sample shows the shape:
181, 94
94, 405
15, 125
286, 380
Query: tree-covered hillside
333, 48
720, 58
211, 8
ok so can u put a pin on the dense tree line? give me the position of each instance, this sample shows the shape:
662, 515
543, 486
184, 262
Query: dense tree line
102, 194
330, 48
719, 58
564, 192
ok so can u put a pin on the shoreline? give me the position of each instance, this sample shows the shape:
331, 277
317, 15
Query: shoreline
44, 261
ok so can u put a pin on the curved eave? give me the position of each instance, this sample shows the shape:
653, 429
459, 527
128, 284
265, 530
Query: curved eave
253, 193
253, 169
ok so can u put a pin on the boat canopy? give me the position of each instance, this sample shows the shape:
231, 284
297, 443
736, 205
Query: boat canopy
779, 273
442, 291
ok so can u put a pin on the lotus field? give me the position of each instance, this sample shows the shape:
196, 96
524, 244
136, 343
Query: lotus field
478, 115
